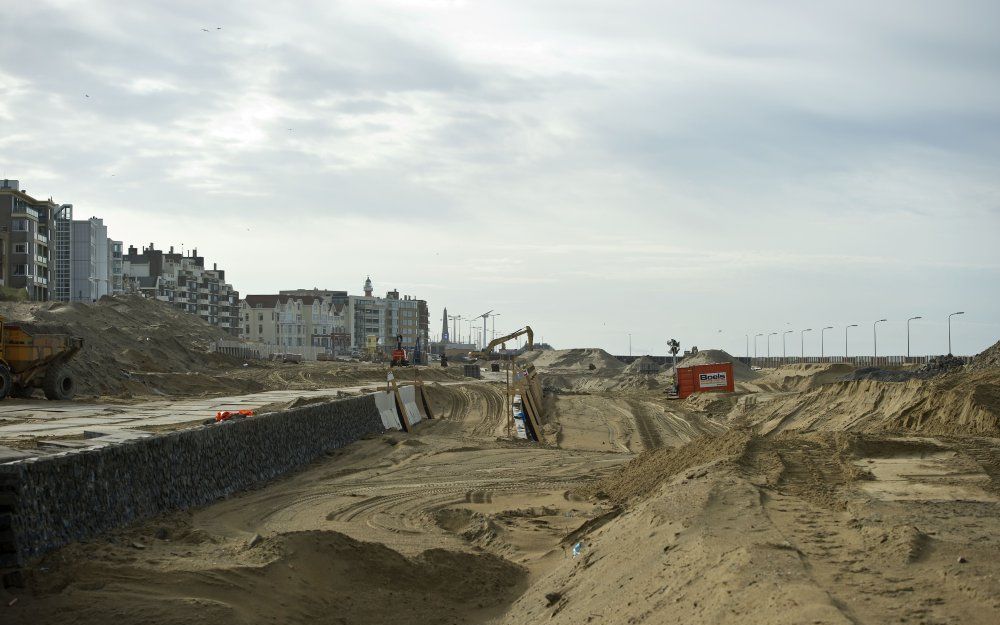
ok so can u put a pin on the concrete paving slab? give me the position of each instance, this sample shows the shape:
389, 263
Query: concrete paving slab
57, 419
8, 454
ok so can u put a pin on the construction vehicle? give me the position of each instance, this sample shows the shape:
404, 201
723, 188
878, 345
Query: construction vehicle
399, 354
29, 361
485, 354
417, 354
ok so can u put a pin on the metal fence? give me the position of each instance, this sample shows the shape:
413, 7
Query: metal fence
857, 361
778, 361
263, 351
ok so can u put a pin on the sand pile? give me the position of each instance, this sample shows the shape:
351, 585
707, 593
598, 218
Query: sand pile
797, 377
298, 577
716, 356
641, 476
592, 359
131, 345
957, 404
989, 359
642, 365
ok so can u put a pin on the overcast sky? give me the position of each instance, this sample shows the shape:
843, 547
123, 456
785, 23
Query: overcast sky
669, 169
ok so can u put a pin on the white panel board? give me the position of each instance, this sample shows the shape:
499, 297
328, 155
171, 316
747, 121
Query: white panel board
387, 409
409, 396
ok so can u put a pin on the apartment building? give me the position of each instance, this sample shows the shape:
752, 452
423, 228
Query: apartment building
90, 260
386, 318
62, 257
116, 264
183, 281
27, 223
292, 321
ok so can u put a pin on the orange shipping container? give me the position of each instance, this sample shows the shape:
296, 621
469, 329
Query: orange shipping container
703, 378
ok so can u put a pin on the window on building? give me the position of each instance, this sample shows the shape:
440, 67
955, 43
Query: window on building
20, 248
260, 329
248, 329
19, 225
260, 316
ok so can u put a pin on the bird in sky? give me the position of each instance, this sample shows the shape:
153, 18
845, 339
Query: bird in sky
86, 95
206, 30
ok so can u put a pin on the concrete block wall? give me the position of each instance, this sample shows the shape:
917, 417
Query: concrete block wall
52, 501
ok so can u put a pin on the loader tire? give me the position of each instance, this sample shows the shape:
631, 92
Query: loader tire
58, 385
6, 383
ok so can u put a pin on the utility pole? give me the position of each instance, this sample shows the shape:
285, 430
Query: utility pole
908, 334
949, 329
853, 325
821, 332
484, 317
875, 337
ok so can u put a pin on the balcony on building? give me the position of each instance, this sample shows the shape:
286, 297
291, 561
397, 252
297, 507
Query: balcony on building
18, 210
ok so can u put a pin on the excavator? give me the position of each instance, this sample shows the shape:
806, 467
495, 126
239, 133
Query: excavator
485, 354
399, 354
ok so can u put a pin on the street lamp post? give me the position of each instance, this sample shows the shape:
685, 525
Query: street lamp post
769, 344
908, 334
853, 325
802, 343
949, 329
821, 339
755, 345
875, 337
630, 344
748, 346
784, 354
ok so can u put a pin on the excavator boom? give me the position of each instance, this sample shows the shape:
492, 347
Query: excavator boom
485, 354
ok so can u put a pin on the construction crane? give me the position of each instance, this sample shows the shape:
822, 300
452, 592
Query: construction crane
485, 354
484, 317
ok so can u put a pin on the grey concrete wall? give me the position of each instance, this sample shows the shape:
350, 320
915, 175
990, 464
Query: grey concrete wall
55, 500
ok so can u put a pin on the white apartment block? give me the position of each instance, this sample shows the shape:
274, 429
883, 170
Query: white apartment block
291, 321
386, 318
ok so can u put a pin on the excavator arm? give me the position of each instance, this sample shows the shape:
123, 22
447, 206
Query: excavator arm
503, 339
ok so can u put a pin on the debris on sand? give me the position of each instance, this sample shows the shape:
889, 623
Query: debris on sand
933, 367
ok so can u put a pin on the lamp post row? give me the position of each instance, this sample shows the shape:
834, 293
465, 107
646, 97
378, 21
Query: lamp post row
822, 338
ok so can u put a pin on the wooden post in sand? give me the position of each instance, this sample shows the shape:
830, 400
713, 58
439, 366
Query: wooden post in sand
421, 396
